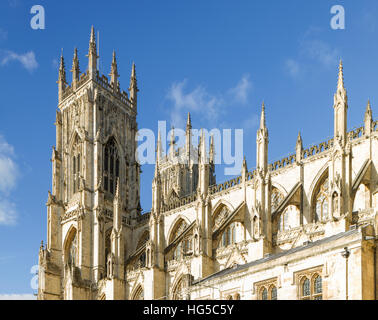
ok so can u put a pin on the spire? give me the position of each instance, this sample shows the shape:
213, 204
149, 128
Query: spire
340, 81
299, 139
244, 165
92, 55
188, 122
114, 72
75, 67
262, 119
133, 86
368, 119
62, 69
298, 149
212, 149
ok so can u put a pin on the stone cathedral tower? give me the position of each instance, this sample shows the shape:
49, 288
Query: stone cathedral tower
95, 189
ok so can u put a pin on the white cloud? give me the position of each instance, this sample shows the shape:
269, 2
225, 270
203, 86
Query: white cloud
18, 296
242, 89
321, 52
8, 213
292, 67
197, 100
8, 179
208, 105
27, 59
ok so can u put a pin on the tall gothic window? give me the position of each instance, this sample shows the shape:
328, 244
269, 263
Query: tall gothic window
321, 202
111, 166
289, 218
229, 235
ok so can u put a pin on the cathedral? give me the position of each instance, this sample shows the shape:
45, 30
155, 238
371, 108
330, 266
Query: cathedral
302, 228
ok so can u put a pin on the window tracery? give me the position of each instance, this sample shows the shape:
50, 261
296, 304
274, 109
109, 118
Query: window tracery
111, 166
229, 235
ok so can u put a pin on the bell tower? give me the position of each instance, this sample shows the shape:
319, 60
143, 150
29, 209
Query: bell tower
95, 178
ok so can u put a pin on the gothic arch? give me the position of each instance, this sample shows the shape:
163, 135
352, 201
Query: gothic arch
116, 141
174, 225
279, 187
138, 292
75, 135
219, 204
317, 180
317, 183
70, 236
179, 286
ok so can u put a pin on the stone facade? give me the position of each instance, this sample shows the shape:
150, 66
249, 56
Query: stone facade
304, 227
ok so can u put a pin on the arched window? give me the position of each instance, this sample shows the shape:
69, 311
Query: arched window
318, 288
321, 201
306, 289
264, 294
111, 166
229, 235
273, 293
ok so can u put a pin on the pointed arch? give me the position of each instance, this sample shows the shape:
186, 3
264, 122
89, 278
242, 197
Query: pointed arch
179, 288
138, 293
320, 205
219, 204
70, 246
175, 225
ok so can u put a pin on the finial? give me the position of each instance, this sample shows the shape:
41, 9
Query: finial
93, 37
340, 81
75, 66
114, 72
262, 119
189, 122
62, 68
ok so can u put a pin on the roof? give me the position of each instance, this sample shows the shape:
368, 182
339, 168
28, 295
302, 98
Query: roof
276, 256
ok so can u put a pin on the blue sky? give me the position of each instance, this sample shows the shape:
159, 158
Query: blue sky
217, 59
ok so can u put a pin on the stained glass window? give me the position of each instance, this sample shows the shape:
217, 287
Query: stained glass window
273, 293
318, 290
306, 291
111, 166
264, 294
